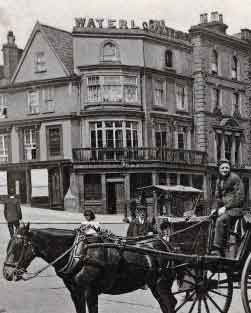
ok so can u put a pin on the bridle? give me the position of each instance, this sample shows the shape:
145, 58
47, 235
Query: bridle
26, 243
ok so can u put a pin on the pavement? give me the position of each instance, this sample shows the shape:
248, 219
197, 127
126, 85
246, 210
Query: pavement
41, 215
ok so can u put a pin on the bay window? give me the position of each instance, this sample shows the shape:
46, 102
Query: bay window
112, 89
114, 136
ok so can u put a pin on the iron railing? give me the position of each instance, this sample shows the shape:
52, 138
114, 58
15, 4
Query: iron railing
139, 154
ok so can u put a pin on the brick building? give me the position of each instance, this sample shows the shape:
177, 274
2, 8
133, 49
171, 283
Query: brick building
111, 107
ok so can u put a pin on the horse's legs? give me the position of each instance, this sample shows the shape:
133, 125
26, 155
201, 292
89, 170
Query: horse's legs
78, 297
163, 294
92, 300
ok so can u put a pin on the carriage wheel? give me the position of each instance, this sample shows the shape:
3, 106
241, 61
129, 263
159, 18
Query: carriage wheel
246, 285
204, 293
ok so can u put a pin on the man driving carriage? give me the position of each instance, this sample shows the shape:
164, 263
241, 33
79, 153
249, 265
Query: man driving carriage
229, 199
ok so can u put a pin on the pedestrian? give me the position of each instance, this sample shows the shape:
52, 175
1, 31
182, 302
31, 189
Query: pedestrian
228, 204
140, 226
165, 230
12, 212
89, 225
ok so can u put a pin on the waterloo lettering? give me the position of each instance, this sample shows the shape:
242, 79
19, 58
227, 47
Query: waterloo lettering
153, 26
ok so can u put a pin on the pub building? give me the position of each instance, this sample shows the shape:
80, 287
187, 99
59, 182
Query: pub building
91, 115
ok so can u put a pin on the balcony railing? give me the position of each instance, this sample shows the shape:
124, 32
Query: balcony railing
139, 154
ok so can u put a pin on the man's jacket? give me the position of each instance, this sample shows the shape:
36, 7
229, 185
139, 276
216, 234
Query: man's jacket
12, 210
230, 193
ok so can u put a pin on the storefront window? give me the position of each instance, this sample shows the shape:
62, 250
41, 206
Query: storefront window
92, 187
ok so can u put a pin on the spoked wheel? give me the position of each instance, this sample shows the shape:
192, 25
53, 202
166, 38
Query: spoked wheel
204, 292
246, 285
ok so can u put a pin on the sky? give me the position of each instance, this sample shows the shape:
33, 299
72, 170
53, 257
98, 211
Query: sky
21, 15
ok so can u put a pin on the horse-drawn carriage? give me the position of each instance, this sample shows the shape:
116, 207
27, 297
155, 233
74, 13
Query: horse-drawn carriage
114, 265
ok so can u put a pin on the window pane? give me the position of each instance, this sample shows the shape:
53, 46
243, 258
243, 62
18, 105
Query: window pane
54, 136
128, 138
109, 138
130, 93
119, 138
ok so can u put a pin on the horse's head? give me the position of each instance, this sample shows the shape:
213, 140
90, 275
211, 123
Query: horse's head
20, 253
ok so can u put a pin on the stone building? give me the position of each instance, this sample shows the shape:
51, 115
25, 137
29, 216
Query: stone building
111, 107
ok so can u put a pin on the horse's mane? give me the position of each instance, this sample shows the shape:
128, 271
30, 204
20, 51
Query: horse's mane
65, 233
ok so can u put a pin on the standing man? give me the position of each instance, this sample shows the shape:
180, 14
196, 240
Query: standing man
229, 200
140, 226
12, 212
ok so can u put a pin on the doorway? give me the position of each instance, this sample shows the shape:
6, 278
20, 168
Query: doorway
115, 197
17, 182
54, 187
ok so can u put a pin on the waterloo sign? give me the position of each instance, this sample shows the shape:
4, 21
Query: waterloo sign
153, 26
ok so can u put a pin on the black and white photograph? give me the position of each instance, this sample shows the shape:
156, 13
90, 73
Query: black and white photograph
125, 156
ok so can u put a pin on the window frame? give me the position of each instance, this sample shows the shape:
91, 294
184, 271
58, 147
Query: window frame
234, 68
6, 146
30, 106
214, 64
184, 97
169, 58
48, 94
31, 145
162, 83
40, 63
115, 58
61, 150
101, 84
3, 104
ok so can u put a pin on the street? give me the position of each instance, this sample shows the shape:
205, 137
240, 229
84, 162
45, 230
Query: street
46, 293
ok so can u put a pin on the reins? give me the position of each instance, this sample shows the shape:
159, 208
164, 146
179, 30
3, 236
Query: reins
34, 275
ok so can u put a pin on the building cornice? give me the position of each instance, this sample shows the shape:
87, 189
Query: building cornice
147, 70
115, 113
136, 34
227, 39
38, 83
37, 119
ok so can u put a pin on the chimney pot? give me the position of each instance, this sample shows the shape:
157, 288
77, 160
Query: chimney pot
10, 37
214, 16
220, 18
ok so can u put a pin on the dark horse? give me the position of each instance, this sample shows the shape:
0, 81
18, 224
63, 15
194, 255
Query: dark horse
103, 269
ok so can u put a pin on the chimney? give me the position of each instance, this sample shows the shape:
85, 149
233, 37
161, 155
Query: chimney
246, 34
203, 18
215, 23
11, 55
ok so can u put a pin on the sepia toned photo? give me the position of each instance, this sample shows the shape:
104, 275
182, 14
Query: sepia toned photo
125, 156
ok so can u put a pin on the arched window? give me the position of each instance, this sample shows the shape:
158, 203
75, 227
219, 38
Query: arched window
110, 52
234, 67
169, 58
214, 63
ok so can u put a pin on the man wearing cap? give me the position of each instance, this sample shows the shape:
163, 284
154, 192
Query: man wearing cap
12, 212
140, 226
229, 200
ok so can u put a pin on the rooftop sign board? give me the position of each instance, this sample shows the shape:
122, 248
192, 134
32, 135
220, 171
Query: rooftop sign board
152, 26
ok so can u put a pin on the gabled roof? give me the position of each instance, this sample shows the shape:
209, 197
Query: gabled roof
59, 40
62, 43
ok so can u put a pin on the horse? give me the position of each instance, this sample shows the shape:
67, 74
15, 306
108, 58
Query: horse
103, 270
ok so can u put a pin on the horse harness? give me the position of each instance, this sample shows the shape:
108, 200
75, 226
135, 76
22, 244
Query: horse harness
26, 243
